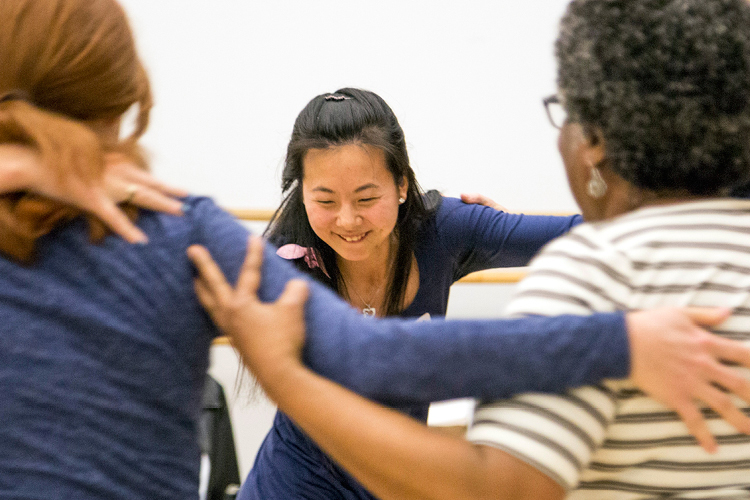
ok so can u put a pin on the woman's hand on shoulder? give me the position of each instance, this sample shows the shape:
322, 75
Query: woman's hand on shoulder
269, 336
480, 199
679, 363
22, 169
126, 182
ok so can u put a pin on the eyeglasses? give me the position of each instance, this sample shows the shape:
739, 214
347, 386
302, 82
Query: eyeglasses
555, 111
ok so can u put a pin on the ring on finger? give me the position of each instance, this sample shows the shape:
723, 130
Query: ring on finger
130, 193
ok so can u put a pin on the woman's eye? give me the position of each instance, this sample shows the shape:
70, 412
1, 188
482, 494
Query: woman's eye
367, 200
324, 202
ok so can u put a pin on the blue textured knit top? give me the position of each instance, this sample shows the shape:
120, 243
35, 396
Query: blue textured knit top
104, 349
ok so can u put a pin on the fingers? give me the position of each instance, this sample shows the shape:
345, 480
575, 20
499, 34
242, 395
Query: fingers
696, 424
734, 382
471, 198
295, 293
731, 350
126, 182
707, 316
121, 167
117, 221
479, 199
250, 274
142, 196
211, 276
204, 295
145, 197
722, 404
144, 178
679, 363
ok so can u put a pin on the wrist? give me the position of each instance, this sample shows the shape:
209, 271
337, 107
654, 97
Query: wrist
277, 375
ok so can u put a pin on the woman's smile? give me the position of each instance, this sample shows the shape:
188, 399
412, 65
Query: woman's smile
354, 238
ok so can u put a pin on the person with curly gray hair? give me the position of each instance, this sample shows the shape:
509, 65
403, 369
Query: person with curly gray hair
657, 134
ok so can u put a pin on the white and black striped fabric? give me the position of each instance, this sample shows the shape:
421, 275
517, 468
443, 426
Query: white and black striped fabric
611, 441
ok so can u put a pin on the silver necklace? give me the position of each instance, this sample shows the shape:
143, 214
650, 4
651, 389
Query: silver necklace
368, 310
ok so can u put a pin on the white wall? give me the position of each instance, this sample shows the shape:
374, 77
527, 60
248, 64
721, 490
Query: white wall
465, 78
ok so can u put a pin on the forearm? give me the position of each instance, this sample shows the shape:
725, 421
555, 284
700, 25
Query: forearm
408, 362
398, 361
528, 234
394, 456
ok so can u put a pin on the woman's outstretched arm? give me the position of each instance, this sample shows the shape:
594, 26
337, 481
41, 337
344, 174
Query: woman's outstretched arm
674, 360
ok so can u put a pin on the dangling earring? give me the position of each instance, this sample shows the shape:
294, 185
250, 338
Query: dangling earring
401, 201
597, 186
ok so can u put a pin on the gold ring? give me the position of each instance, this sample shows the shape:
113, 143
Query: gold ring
130, 191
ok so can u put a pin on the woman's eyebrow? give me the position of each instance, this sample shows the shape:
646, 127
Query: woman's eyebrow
366, 186
323, 189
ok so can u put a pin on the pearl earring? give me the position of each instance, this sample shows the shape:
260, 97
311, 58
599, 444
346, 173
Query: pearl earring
401, 201
597, 186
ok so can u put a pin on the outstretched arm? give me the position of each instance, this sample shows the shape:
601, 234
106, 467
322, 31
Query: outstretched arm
391, 454
479, 237
673, 359
21, 169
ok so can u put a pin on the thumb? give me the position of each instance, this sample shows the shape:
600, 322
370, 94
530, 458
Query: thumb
707, 316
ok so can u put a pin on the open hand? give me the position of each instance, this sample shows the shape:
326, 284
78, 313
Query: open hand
22, 169
678, 363
269, 336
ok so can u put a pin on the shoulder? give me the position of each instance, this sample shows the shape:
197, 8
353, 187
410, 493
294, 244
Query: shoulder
579, 273
211, 222
453, 216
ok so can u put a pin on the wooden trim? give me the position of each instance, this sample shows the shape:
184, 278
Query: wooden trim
252, 214
264, 215
507, 276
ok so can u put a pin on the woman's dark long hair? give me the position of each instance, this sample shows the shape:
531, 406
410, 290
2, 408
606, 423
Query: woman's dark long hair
348, 116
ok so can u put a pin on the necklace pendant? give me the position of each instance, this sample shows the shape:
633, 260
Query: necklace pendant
368, 311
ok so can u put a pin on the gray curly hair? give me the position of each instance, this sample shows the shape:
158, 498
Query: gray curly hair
667, 82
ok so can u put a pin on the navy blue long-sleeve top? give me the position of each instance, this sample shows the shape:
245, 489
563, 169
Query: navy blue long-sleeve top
455, 240
103, 352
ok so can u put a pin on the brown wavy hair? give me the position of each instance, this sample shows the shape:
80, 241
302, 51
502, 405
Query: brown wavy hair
64, 63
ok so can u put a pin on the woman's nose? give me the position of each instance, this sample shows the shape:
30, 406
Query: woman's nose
348, 217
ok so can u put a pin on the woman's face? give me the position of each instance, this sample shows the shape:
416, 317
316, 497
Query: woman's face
351, 199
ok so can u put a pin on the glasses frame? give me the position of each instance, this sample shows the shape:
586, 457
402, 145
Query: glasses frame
552, 99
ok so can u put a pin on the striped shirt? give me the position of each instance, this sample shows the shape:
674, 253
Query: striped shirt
611, 441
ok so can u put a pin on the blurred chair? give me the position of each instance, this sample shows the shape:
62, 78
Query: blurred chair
220, 476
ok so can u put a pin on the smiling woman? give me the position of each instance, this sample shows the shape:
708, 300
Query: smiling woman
355, 217
352, 203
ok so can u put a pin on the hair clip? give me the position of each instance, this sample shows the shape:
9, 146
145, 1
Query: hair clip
333, 97
290, 251
15, 95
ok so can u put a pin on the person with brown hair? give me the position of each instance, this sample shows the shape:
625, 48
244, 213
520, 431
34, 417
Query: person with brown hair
104, 344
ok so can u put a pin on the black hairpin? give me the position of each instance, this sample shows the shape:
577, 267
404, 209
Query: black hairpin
333, 97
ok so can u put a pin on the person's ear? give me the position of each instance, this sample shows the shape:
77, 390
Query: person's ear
403, 188
594, 152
